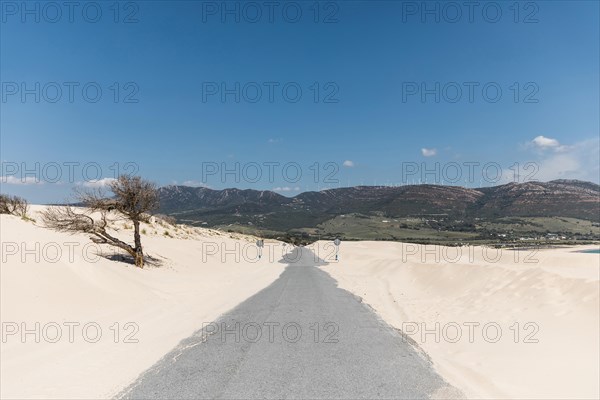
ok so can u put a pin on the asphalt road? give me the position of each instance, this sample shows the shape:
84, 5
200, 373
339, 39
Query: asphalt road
301, 337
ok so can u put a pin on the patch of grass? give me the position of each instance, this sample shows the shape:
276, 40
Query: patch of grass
540, 225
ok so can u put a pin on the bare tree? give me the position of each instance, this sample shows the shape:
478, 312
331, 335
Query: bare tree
133, 199
13, 205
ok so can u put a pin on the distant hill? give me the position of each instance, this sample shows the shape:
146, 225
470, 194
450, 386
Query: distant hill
175, 199
559, 198
269, 211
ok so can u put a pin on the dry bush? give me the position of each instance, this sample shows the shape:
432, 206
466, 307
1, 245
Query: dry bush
13, 205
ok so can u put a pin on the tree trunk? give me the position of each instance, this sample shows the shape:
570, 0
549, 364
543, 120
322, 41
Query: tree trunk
139, 254
139, 258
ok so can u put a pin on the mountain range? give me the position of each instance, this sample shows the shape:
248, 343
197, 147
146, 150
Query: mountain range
456, 206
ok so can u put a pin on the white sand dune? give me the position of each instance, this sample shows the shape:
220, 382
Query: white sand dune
166, 304
556, 289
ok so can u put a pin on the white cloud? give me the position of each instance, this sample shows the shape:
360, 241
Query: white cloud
193, 183
27, 180
272, 140
348, 164
428, 152
286, 189
97, 183
543, 143
577, 161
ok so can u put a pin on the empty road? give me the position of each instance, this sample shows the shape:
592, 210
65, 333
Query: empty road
301, 337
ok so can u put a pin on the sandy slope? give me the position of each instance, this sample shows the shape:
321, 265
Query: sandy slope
165, 303
558, 290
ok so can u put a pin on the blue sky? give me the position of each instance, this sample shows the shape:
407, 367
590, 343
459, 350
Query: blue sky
362, 116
